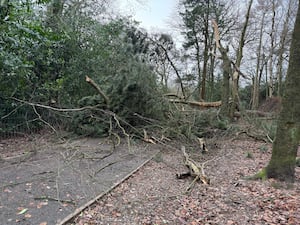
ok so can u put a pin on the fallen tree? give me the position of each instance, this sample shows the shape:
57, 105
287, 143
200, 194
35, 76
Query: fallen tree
197, 104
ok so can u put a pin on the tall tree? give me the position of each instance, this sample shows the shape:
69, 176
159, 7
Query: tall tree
284, 38
239, 57
195, 16
260, 60
285, 146
271, 57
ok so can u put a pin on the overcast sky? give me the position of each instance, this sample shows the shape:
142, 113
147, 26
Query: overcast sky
153, 14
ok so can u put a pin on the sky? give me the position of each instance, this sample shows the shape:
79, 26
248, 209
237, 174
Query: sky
153, 14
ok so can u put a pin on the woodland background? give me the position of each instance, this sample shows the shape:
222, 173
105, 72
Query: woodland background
143, 80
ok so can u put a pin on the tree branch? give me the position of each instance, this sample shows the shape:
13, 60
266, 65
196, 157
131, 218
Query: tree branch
96, 86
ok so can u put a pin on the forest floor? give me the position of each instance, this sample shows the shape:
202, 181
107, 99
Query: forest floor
153, 195
43, 180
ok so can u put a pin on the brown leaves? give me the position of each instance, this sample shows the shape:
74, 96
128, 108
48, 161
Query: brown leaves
153, 195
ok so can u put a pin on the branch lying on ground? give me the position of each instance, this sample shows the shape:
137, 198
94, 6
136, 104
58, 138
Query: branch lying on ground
53, 108
194, 171
48, 198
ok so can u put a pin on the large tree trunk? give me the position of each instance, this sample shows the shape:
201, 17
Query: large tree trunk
282, 163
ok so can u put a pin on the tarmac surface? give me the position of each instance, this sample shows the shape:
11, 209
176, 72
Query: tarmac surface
45, 181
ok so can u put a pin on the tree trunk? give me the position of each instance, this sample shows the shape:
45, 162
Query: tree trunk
281, 50
259, 68
272, 37
235, 76
198, 58
283, 160
205, 54
205, 62
211, 72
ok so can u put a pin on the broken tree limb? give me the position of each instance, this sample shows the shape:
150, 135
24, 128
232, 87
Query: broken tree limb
197, 104
194, 171
174, 96
202, 145
53, 108
96, 86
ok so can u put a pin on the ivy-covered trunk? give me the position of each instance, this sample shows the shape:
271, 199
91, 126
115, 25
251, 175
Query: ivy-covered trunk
285, 146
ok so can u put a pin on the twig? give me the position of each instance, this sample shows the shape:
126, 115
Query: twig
11, 112
111, 133
269, 138
190, 187
102, 168
26, 181
124, 131
54, 199
41, 119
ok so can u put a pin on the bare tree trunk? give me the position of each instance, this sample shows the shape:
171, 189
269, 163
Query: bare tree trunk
198, 58
259, 68
205, 54
204, 70
285, 146
227, 71
211, 71
281, 49
235, 82
272, 37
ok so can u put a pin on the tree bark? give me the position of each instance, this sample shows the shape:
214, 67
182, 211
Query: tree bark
259, 68
272, 37
205, 54
285, 146
227, 70
281, 50
235, 76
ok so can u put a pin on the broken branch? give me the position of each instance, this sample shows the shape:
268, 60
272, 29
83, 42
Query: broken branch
96, 86
197, 104
194, 171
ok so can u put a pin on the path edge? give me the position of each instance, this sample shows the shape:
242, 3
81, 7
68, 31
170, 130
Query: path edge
89, 203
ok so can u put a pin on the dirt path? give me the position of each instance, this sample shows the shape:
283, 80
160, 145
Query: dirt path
42, 181
153, 195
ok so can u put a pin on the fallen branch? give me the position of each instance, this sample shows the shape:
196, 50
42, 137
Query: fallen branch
197, 104
102, 168
53, 108
174, 96
194, 171
54, 199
